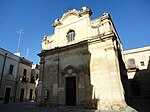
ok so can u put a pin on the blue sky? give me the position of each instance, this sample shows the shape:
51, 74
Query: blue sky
35, 17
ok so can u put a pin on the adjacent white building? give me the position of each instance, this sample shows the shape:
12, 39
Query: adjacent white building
9, 64
18, 78
138, 71
137, 58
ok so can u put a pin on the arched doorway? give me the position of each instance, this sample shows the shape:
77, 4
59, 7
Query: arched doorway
71, 92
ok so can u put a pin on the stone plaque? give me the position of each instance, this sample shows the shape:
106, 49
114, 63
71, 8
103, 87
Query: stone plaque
113, 74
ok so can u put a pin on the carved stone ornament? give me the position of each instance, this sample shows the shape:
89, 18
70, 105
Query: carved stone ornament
70, 69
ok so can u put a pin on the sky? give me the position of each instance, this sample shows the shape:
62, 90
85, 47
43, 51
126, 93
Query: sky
35, 18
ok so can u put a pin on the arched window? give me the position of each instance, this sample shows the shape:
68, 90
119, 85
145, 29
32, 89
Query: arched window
70, 35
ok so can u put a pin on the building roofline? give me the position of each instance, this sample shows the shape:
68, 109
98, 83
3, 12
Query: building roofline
137, 50
8, 52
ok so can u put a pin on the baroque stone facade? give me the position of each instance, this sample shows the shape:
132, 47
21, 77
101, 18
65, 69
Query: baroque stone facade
81, 63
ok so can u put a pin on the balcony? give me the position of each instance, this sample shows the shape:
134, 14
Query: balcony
24, 79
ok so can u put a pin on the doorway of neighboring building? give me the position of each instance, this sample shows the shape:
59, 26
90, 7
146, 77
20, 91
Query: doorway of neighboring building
7, 95
71, 91
31, 92
21, 95
135, 88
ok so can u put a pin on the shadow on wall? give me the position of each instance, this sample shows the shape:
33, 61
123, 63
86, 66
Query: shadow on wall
139, 89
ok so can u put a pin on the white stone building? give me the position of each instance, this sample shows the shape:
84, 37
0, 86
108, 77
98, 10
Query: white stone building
81, 63
138, 71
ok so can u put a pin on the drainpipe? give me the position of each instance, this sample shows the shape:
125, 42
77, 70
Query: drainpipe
16, 82
58, 78
3, 69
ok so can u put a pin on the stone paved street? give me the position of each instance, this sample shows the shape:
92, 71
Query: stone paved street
30, 107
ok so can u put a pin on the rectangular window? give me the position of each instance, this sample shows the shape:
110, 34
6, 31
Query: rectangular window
32, 79
11, 69
142, 63
131, 63
37, 76
24, 78
24, 72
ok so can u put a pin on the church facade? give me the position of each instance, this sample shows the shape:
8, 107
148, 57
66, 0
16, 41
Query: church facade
81, 63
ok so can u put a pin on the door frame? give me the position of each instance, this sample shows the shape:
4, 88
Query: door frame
76, 97
20, 95
31, 94
5, 92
